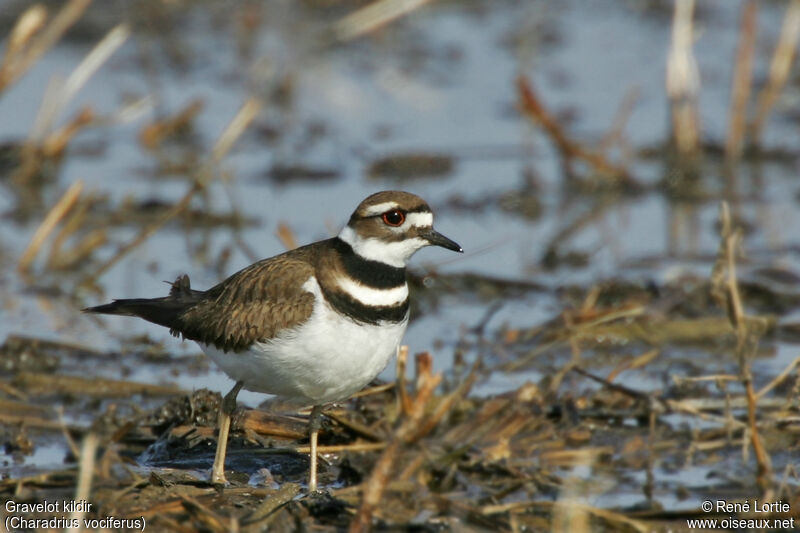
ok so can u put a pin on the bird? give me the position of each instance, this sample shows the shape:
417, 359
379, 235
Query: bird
312, 325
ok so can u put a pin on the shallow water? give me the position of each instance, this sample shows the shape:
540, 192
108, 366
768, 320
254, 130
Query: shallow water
440, 81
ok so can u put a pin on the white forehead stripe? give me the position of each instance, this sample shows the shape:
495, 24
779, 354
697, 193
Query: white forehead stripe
420, 220
379, 209
373, 297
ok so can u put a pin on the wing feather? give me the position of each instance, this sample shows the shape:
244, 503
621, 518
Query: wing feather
254, 304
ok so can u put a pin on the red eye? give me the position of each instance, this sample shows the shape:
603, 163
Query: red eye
394, 218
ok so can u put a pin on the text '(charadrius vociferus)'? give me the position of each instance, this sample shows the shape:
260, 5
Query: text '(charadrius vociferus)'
312, 325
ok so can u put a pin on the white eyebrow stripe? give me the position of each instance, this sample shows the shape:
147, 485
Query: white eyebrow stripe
373, 297
379, 209
420, 220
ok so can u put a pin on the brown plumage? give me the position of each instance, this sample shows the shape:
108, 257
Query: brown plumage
259, 301
255, 303
251, 305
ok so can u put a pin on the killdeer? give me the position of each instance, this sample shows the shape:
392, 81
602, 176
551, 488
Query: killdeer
313, 325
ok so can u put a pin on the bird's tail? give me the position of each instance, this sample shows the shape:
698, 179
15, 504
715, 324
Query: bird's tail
164, 311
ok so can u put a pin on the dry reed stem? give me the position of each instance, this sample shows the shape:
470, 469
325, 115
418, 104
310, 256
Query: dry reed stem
687, 407
30, 421
154, 133
208, 518
264, 423
65, 431
244, 117
16, 65
339, 448
650, 478
615, 134
54, 144
66, 91
575, 351
616, 521
423, 365
377, 389
533, 109
143, 235
779, 69
683, 81
711, 377
28, 24
260, 514
778, 379
379, 478
232, 132
57, 212
59, 259
736, 402
639, 361
85, 474
373, 16
729, 246
580, 329
742, 74
34, 152
286, 236
33, 382
402, 393
445, 405
355, 427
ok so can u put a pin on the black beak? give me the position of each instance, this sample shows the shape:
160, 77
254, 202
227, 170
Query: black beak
437, 239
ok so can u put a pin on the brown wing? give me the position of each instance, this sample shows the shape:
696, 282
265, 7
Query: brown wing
254, 304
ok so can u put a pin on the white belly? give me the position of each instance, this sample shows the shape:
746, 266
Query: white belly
328, 358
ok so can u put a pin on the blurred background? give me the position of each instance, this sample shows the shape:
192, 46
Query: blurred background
578, 151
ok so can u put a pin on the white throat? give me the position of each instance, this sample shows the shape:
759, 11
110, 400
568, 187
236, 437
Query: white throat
395, 254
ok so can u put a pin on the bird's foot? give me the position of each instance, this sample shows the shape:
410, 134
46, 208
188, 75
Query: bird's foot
218, 479
322, 502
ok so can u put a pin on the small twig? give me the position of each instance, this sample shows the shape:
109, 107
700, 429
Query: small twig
445, 405
58, 211
402, 393
85, 475
379, 478
780, 377
373, 16
741, 82
28, 25
575, 351
532, 107
55, 144
286, 236
779, 69
67, 90
339, 448
730, 243
711, 377
244, 117
73, 446
143, 235
284, 495
377, 389
232, 132
207, 517
621, 118
15, 67
683, 81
